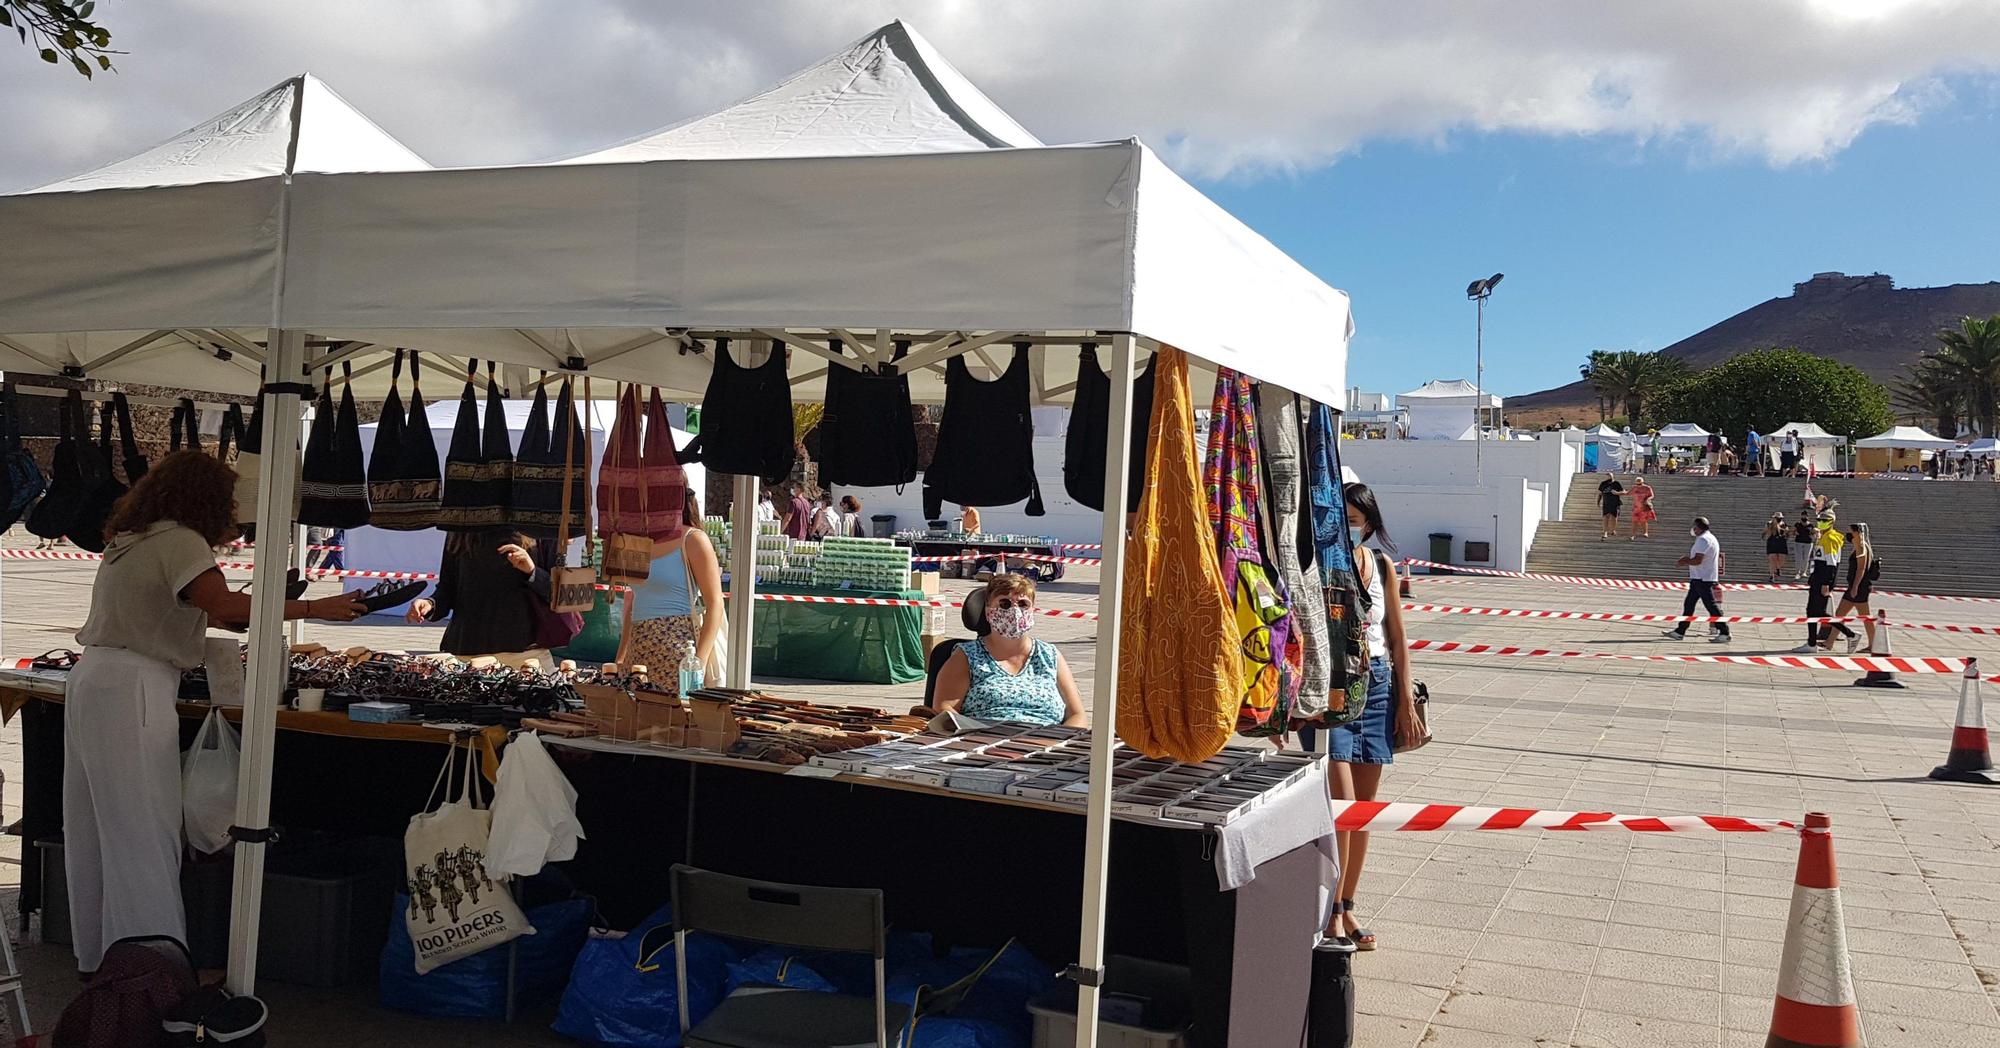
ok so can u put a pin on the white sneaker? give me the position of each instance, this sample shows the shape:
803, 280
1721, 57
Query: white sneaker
1853, 643
1673, 634
1805, 649
1719, 638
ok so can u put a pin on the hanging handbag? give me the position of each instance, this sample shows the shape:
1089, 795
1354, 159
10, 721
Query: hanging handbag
536, 500
662, 483
333, 483
1423, 694
75, 471
411, 493
572, 590
86, 529
23, 475
249, 466
628, 549
135, 462
385, 455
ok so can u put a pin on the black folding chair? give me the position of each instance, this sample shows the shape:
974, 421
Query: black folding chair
808, 918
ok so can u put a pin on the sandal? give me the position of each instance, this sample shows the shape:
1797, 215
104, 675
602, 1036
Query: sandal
1364, 939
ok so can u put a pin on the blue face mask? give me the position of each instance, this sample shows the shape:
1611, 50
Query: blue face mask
1359, 535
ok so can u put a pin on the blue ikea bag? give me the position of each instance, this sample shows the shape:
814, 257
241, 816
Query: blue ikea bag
475, 987
623, 990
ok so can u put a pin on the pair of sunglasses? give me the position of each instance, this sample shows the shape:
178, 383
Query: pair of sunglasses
1009, 603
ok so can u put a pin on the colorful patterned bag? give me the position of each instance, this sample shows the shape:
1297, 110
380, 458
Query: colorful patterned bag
1263, 622
1346, 598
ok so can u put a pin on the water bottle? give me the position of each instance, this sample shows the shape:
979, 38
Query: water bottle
690, 673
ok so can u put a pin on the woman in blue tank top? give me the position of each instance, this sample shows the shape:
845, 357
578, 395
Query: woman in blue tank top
1005, 674
660, 620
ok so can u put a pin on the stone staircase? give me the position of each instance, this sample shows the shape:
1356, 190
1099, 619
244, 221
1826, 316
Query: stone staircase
1931, 536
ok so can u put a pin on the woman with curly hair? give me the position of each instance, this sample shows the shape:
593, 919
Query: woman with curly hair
156, 593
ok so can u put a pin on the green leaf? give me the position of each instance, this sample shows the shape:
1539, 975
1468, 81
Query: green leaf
49, 55
104, 62
81, 66
5, 18
88, 6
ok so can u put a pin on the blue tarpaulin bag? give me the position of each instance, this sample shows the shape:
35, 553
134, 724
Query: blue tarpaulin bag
475, 987
623, 990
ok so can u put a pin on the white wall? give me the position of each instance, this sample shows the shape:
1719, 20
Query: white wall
1547, 460
1505, 513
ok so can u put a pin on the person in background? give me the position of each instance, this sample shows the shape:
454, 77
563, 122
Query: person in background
850, 517
1826, 543
1609, 499
798, 512
1643, 511
659, 625
1862, 571
767, 507
1802, 539
1790, 458
1361, 748
825, 519
1753, 461
155, 595
968, 520
1006, 674
487, 583
1704, 564
1777, 548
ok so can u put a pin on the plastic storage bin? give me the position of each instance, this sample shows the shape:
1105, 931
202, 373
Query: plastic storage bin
1055, 1027
1144, 1006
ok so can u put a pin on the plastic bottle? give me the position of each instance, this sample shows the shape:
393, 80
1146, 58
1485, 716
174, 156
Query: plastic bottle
691, 673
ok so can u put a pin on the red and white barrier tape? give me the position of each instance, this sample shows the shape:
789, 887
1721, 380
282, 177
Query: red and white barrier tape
227, 565
1410, 816
1040, 558
1083, 545
1848, 663
880, 602
1619, 616
1664, 584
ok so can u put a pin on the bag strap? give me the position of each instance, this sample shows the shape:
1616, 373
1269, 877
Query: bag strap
106, 422
191, 417
232, 427
416, 376
396, 371
450, 751
126, 442
569, 472
173, 428
589, 427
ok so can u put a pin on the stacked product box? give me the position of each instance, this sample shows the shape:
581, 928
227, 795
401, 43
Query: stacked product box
867, 563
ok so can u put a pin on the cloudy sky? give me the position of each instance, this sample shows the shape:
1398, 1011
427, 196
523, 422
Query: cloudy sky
1640, 170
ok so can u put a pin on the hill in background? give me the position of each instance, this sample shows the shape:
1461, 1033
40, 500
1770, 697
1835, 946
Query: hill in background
1866, 321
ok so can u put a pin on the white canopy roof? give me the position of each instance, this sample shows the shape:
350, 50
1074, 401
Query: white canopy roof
1809, 433
1986, 446
1448, 389
1602, 432
1906, 437
1683, 433
888, 92
607, 264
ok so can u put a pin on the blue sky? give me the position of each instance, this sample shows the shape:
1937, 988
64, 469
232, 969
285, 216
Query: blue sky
1608, 244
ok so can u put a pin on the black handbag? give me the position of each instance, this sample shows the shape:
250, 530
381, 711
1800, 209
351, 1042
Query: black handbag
22, 477
76, 471
333, 481
86, 530
414, 498
211, 1016
135, 461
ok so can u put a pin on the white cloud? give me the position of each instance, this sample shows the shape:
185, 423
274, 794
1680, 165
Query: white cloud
1224, 88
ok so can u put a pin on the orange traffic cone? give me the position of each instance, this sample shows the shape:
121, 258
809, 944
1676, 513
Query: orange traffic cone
1969, 759
1880, 678
1815, 1006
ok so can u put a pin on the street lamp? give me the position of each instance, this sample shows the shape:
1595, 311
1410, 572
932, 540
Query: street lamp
1479, 291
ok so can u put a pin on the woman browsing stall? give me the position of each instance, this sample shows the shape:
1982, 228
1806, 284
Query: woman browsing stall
486, 587
1005, 674
156, 594
660, 621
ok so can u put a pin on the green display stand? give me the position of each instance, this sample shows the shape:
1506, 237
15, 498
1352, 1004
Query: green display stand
844, 642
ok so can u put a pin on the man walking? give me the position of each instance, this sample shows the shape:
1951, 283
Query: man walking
1790, 457
1704, 564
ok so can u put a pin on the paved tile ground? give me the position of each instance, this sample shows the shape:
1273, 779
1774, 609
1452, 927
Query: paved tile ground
1589, 939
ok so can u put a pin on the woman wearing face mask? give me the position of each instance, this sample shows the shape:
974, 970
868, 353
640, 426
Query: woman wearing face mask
1006, 674
1861, 575
1361, 748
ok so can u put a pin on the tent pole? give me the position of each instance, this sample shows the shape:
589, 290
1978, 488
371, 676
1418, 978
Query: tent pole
742, 578
1089, 969
270, 659
295, 630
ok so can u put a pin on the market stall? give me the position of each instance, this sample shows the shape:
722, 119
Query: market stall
950, 247
1899, 449
958, 554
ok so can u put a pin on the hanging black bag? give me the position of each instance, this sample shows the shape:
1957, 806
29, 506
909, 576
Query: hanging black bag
1090, 420
23, 476
86, 529
746, 418
406, 488
867, 437
135, 462
478, 473
536, 497
986, 442
76, 470
333, 485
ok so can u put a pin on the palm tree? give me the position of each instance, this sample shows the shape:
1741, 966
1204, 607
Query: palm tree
1598, 357
1971, 357
1628, 377
1932, 394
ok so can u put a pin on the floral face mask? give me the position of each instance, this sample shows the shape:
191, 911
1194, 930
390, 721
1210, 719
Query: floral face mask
1011, 620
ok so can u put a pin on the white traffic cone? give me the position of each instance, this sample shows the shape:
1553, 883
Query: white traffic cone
1815, 1006
1969, 759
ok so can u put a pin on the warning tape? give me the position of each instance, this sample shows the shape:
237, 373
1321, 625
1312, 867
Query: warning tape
1663, 584
1849, 663
1409, 816
1619, 616
892, 602
1083, 545
1040, 558
227, 565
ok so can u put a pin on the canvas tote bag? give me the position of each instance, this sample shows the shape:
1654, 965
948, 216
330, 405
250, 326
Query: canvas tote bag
457, 907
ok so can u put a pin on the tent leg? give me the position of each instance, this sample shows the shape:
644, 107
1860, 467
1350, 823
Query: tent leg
742, 578
301, 556
270, 659
1089, 969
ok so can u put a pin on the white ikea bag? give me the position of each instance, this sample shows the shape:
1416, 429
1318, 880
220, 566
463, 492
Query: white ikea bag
208, 785
457, 906
534, 812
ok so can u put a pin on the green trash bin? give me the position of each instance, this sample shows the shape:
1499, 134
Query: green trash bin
1440, 551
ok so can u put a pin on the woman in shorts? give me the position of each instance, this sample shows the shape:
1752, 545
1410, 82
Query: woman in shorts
1777, 545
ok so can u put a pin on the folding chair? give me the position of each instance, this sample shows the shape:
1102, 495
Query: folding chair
799, 916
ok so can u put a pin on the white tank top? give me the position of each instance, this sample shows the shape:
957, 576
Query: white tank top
1378, 640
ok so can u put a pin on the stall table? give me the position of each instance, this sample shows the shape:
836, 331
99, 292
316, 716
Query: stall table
933, 547
874, 644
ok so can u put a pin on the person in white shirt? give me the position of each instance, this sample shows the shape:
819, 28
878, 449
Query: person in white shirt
825, 519
1790, 453
1704, 564
767, 508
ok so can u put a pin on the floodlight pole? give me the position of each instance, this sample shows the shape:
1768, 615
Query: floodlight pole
1479, 388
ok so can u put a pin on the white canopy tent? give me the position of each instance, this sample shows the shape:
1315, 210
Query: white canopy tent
1681, 434
1602, 433
1984, 447
1907, 437
1445, 409
639, 268
1816, 446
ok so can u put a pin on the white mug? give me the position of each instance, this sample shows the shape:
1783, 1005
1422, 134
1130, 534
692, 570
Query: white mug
311, 700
